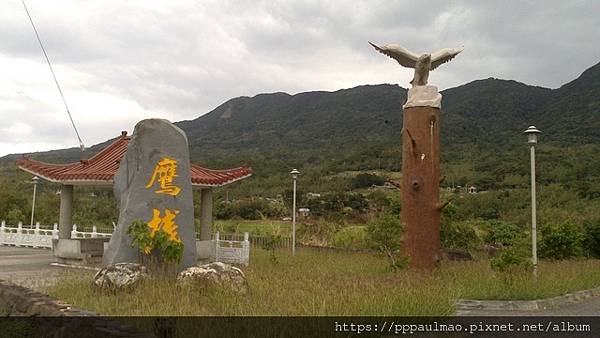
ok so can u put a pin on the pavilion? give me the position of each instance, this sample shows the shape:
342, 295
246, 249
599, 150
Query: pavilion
100, 170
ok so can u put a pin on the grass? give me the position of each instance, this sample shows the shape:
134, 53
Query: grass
321, 283
254, 227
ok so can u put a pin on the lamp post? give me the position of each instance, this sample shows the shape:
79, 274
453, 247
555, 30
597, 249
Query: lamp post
34, 181
294, 174
532, 134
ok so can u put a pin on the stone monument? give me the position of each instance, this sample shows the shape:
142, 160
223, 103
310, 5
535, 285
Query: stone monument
421, 206
153, 185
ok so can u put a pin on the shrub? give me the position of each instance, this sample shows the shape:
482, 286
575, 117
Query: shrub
591, 241
561, 241
15, 216
385, 236
460, 235
171, 250
272, 238
365, 180
250, 209
351, 237
514, 258
500, 232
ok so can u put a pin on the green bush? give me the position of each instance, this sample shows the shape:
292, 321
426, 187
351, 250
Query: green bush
561, 241
15, 216
500, 232
461, 235
171, 250
365, 180
351, 237
385, 236
272, 238
591, 241
331, 204
514, 258
250, 209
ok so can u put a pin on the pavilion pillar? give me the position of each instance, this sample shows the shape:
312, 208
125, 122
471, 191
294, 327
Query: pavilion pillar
65, 218
206, 209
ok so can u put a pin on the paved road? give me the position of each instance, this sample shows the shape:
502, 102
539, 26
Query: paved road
588, 307
28, 267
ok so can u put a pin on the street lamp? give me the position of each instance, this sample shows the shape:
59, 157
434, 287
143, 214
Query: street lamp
532, 134
34, 181
294, 174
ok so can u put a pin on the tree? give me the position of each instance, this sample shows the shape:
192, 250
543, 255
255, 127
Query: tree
385, 236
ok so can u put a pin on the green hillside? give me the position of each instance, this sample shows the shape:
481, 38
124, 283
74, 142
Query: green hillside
323, 133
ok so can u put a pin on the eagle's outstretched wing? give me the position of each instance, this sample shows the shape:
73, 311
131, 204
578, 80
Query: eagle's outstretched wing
444, 55
404, 57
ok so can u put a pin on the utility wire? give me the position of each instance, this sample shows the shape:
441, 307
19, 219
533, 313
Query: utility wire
81, 146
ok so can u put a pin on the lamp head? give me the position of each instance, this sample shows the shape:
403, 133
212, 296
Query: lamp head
532, 133
295, 173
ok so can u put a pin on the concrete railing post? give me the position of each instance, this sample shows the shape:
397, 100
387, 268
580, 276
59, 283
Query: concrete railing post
65, 219
206, 208
55, 231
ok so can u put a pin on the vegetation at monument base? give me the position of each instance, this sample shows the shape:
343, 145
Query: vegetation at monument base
318, 283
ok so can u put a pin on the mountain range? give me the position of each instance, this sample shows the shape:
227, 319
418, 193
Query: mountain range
359, 128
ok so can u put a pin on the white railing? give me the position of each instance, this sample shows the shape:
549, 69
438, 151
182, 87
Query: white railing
84, 234
237, 252
32, 237
41, 236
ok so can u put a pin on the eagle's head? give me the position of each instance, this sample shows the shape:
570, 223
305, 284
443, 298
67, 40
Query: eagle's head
425, 57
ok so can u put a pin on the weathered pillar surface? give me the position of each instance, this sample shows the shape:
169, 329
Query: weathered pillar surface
206, 209
65, 217
420, 185
153, 185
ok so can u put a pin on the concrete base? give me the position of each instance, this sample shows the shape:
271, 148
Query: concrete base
206, 251
79, 251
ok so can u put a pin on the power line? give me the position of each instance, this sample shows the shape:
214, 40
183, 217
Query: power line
81, 146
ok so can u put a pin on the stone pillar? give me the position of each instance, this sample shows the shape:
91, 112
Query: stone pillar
420, 186
65, 218
206, 209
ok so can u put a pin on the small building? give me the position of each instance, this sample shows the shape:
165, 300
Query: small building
472, 189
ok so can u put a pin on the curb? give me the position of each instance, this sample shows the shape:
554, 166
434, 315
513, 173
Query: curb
467, 305
72, 266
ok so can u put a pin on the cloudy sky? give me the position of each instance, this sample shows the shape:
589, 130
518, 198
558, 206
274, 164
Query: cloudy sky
122, 61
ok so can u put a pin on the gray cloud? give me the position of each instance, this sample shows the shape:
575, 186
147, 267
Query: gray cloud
120, 61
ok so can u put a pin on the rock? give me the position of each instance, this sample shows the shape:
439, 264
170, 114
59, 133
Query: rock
457, 255
153, 185
493, 250
120, 276
219, 275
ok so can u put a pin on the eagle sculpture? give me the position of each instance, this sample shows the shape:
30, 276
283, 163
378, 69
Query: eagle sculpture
422, 64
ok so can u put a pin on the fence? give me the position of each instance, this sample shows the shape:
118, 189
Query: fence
38, 237
232, 251
259, 241
231, 248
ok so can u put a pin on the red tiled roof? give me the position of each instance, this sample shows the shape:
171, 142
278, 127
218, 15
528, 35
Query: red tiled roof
102, 167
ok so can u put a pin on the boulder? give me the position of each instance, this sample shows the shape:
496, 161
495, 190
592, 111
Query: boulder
215, 275
120, 276
153, 185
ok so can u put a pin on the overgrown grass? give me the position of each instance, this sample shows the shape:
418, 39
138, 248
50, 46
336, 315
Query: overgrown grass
253, 227
325, 283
